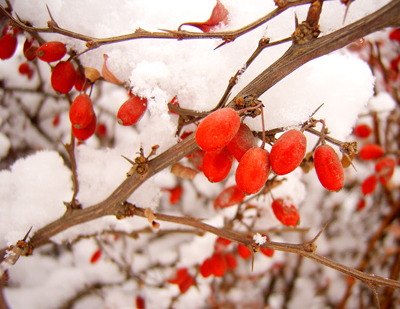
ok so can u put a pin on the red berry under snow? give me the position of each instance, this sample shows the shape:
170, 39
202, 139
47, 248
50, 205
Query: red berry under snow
63, 77
252, 171
241, 142
51, 51
81, 111
217, 129
131, 111
371, 152
285, 212
288, 152
217, 164
328, 167
229, 197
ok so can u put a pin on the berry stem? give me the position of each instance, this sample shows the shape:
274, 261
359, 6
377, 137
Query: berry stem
263, 127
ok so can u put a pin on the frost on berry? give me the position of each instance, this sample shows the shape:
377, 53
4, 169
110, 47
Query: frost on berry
8, 46
288, 152
328, 167
217, 129
217, 164
285, 212
362, 131
241, 142
243, 252
51, 51
63, 77
81, 111
371, 152
385, 169
252, 171
85, 133
229, 196
369, 184
218, 264
131, 111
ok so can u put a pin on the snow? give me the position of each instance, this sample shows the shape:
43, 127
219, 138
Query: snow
34, 188
259, 240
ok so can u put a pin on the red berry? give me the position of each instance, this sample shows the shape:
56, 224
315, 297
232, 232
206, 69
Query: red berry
221, 244
175, 194
140, 302
285, 212
228, 197
81, 111
218, 265
29, 49
385, 169
80, 80
252, 171
63, 77
95, 256
288, 151
186, 284
394, 35
267, 252
241, 142
217, 129
180, 276
51, 51
56, 120
361, 204
101, 130
25, 69
231, 261
243, 251
362, 130
205, 268
131, 111
371, 152
217, 164
369, 184
328, 167
85, 133
8, 46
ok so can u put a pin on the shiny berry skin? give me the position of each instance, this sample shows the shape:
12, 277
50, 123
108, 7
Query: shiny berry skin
131, 111
218, 265
243, 251
51, 51
8, 46
85, 133
285, 212
362, 131
252, 171
385, 169
217, 129
205, 268
81, 111
371, 152
288, 151
217, 164
63, 77
369, 184
241, 142
229, 196
328, 167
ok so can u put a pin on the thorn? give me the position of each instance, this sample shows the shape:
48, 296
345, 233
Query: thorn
316, 110
26, 236
222, 44
347, 10
129, 160
51, 23
296, 20
320, 232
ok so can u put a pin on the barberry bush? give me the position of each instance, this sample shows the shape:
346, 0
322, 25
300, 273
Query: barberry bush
199, 154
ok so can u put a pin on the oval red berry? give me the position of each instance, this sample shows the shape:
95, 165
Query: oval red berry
362, 130
371, 152
81, 111
369, 184
85, 133
205, 268
228, 197
243, 251
328, 167
241, 142
63, 77
217, 164
288, 151
285, 212
51, 51
252, 171
217, 129
385, 169
218, 265
131, 111
8, 46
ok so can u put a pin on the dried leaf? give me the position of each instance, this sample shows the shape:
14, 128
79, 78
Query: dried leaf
151, 217
92, 74
218, 15
182, 171
108, 76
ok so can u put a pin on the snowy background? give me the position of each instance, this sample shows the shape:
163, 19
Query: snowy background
34, 188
